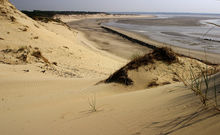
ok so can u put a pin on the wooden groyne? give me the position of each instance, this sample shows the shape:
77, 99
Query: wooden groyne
129, 38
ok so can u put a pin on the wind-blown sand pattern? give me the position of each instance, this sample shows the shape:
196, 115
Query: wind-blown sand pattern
51, 77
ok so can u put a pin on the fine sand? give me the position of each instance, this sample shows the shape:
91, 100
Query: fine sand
50, 83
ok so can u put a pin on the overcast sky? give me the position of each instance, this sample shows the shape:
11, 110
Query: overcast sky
199, 6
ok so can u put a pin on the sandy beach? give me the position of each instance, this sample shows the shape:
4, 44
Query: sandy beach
103, 40
81, 79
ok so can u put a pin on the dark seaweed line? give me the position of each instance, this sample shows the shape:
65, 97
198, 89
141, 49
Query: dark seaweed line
130, 38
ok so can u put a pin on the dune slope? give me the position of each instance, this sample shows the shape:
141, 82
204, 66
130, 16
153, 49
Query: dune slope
57, 43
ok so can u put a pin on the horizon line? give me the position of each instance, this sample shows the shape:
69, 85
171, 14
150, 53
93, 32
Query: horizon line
125, 12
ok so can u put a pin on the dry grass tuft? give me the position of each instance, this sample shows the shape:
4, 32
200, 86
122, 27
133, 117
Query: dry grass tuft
92, 104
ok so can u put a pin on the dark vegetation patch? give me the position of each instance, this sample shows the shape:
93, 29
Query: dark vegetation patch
159, 54
120, 76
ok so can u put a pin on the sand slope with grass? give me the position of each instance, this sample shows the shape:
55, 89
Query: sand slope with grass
53, 81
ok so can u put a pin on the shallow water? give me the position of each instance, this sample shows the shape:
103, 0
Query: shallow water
190, 37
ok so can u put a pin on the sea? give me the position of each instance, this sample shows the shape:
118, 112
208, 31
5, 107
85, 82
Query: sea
204, 37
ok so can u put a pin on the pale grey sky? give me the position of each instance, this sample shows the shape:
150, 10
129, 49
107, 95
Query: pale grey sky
199, 6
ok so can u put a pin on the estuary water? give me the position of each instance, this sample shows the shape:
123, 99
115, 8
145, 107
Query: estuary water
195, 32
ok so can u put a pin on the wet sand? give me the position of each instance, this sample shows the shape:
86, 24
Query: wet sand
184, 33
177, 21
106, 41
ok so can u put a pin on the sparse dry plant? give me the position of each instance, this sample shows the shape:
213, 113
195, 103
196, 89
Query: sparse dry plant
92, 103
198, 79
196, 85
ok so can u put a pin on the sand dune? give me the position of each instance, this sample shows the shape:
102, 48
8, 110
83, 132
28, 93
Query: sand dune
49, 106
51, 77
56, 42
158, 68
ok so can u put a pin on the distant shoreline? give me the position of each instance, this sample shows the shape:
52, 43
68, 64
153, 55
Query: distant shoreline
93, 24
